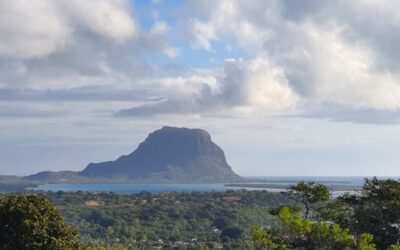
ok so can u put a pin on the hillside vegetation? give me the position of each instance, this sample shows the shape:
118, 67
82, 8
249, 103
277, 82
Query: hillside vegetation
305, 218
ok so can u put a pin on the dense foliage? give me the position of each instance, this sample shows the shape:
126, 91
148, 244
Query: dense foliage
168, 218
310, 194
375, 209
305, 218
366, 220
295, 232
31, 222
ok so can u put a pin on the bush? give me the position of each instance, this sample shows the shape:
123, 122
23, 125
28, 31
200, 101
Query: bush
31, 222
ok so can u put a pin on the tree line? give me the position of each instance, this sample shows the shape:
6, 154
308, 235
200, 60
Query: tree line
305, 218
366, 220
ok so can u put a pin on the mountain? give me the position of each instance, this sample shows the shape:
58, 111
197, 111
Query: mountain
169, 154
51, 176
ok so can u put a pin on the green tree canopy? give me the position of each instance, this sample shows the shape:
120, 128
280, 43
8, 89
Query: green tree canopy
376, 209
295, 232
31, 222
309, 193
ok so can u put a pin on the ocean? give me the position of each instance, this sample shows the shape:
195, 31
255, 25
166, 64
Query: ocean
137, 188
158, 188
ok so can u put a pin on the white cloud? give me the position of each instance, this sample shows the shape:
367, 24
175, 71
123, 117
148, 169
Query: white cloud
329, 51
257, 83
244, 86
202, 34
65, 44
246, 21
37, 28
160, 27
308, 54
344, 73
110, 19
31, 29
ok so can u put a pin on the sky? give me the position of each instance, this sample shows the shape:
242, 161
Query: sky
285, 87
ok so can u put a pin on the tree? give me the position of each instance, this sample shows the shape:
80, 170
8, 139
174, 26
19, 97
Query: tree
376, 209
295, 232
31, 222
309, 193
264, 239
232, 233
221, 223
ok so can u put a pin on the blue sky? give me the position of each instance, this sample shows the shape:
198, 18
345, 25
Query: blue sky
284, 87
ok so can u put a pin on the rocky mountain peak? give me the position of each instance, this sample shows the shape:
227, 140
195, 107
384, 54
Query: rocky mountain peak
169, 153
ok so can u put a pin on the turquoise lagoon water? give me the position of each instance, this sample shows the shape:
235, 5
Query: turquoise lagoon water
158, 188
137, 188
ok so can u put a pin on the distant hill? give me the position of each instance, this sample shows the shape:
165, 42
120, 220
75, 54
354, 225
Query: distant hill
53, 176
169, 154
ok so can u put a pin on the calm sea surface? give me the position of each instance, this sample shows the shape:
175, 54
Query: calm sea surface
137, 188
157, 188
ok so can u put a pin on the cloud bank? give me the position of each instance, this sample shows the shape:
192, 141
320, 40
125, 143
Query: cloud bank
295, 56
66, 44
327, 51
276, 82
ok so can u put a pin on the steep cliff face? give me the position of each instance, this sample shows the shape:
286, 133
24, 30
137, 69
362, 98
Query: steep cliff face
169, 154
